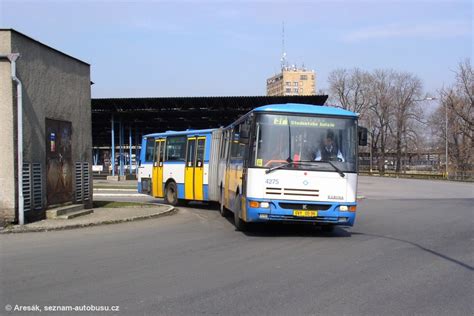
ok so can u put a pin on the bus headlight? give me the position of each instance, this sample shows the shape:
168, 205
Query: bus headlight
345, 208
264, 205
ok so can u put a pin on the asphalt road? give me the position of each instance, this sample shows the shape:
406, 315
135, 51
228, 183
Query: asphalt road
410, 252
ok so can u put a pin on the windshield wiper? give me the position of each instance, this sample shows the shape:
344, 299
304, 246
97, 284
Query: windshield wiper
290, 162
334, 166
307, 163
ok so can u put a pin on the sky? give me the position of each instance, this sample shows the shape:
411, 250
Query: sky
229, 48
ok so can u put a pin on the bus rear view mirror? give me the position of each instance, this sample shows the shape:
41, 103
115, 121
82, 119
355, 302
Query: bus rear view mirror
362, 135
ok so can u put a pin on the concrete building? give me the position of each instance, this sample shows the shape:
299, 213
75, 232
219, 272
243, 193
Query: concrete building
55, 99
292, 81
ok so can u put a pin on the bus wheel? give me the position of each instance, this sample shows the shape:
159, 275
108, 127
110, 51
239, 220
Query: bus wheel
224, 212
171, 194
238, 222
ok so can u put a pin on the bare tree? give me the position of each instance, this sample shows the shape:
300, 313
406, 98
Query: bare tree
350, 89
457, 105
382, 110
387, 103
407, 90
461, 101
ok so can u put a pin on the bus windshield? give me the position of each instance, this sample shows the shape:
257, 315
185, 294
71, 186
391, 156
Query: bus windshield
308, 142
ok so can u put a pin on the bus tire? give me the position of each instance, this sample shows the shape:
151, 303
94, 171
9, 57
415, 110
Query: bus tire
224, 212
171, 194
239, 224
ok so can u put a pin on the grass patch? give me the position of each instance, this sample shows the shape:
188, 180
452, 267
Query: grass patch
112, 204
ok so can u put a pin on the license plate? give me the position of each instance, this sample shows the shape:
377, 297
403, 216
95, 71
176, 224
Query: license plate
302, 213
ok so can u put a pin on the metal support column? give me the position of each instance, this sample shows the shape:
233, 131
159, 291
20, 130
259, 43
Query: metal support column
130, 149
121, 149
112, 157
137, 153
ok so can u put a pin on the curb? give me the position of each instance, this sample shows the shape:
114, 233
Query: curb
170, 211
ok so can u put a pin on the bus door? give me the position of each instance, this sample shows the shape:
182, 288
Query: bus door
194, 170
157, 179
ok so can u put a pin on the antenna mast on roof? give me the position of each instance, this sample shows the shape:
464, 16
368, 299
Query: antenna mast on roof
283, 60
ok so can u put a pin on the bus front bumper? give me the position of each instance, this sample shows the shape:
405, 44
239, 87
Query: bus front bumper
324, 213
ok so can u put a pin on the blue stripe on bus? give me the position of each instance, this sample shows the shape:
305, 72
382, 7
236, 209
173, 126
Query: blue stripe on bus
206, 192
276, 213
180, 190
207, 150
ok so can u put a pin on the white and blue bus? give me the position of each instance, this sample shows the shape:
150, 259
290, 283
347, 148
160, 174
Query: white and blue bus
291, 163
179, 166
284, 162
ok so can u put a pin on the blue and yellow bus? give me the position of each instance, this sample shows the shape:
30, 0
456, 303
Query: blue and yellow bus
281, 163
179, 166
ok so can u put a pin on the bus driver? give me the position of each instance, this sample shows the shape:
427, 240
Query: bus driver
329, 151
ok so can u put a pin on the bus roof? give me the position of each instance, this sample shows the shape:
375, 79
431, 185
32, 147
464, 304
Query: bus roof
186, 132
305, 108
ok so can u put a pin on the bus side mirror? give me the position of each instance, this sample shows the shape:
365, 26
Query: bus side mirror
362, 135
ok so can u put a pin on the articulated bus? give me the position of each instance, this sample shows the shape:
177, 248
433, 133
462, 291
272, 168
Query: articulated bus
180, 166
284, 162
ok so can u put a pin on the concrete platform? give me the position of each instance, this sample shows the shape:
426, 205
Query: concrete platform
100, 216
64, 211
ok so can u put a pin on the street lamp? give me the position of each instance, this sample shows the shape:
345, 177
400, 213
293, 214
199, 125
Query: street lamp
446, 136
429, 99
445, 132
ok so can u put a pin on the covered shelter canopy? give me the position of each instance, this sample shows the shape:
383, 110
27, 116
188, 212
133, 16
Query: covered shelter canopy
152, 115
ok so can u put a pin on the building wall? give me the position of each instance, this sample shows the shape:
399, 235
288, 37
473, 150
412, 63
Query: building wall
297, 81
55, 86
7, 138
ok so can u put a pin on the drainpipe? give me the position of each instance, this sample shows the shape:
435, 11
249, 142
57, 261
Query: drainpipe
12, 58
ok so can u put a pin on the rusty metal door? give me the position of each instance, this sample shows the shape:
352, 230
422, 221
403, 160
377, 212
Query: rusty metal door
58, 161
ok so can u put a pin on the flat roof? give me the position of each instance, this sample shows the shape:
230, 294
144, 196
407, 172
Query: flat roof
154, 115
42, 44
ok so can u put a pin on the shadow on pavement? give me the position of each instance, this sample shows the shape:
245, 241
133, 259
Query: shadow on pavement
274, 229
292, 230
440, 255
289, 230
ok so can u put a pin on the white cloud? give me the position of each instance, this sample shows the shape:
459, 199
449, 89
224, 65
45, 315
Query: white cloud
440, 29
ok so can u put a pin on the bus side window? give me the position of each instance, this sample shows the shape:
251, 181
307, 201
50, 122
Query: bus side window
227, 143
150, 148
200, 152
191, 151
235, 147
176, 148
163, 149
